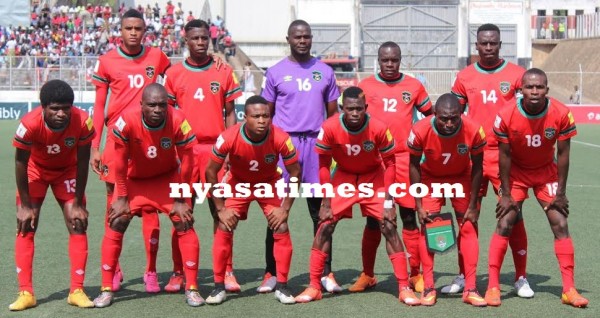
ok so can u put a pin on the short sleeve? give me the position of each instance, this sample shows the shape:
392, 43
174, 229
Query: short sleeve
567, 126
100, 77
458, 90
184, 136
220, 149
479, 141
414, 143
23, 137
233, 89
87, 131
170, 87
500, 129
120, 131
324, 141
333, 92
269, 92
422, 103
387, 145
286, 148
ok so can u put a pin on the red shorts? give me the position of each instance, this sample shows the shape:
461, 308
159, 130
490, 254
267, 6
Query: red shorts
402, 176
107, 161
152, 192
434, 205
201, 160
369, 206
491, 171
543, 181
241, 205
62, 183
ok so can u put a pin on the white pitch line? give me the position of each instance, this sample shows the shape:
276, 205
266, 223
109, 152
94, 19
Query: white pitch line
586, 143
583, 185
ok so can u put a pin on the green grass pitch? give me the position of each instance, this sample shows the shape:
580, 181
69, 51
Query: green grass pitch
51, 279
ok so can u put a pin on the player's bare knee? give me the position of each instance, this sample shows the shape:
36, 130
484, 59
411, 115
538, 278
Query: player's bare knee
326, 231
283, 228
504, 228
180, 226
409, 219
388, 230
78, 227
120, 224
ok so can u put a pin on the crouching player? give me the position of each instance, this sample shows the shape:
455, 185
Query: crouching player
254, 148
53, 147
157, 143
359, 144
452, 146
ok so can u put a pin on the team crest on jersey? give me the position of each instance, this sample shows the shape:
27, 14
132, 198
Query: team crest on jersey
368, 145
150, 71
504, 87
165, 143
70, 142
406, 97
549, 133
214, 87
317, 76
270, 158
462, 149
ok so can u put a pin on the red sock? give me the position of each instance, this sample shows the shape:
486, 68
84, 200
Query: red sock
427, 261
282, 251
498, 246
151, 233
411, 242
461, 261
112, 243
399, 264
189, 245
518, 246
565, 253
221, 251
370, 242
317, 264
109, 197
470, 252
175, 253
24, 250
229, 267
78, 252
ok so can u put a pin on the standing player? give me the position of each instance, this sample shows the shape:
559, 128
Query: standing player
301, 91
53, 149
120, 77
446, 148
526, 135
484, 88
157, 143
202, 92
394, 98
359, 144
253, 147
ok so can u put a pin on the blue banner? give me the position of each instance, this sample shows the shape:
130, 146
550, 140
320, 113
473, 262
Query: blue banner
13, 111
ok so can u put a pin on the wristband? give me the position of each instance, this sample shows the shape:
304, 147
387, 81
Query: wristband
388, 204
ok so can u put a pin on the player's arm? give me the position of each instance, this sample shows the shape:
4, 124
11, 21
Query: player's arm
414, 173
25, 214
279, 215
78, 212
560, 202
325, 212
332, 108
98, 119
180, 206
230, 118
506, 202
227, 217
388, 179
121, 205
472, 213
271, 108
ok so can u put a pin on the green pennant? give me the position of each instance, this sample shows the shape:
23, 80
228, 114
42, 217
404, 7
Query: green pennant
440, 234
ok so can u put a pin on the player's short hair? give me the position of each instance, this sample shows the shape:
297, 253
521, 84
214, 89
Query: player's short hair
196, 23
153, 87
448, 100
488, 27
296, 23
256, 99
353, 92
536, 71
56, 91
133, 13
389, 44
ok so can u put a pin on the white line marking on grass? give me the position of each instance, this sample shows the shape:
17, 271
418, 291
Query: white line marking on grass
583, 186
586, 143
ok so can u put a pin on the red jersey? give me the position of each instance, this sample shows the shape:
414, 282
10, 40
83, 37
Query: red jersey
396, 103
356, 152
485, 92
446, 155
201, 92
126, 77
532, 137
53, 149
152, 151
250, 161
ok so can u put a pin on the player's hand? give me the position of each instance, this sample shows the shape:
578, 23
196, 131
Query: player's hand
228, 217
218, 61
26, 219
184, 212
277, 217
95, 161
119, 208
226, 164
472, 215
505, 205
325, 214
560, 204
390, 216
78, 218
423, 216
